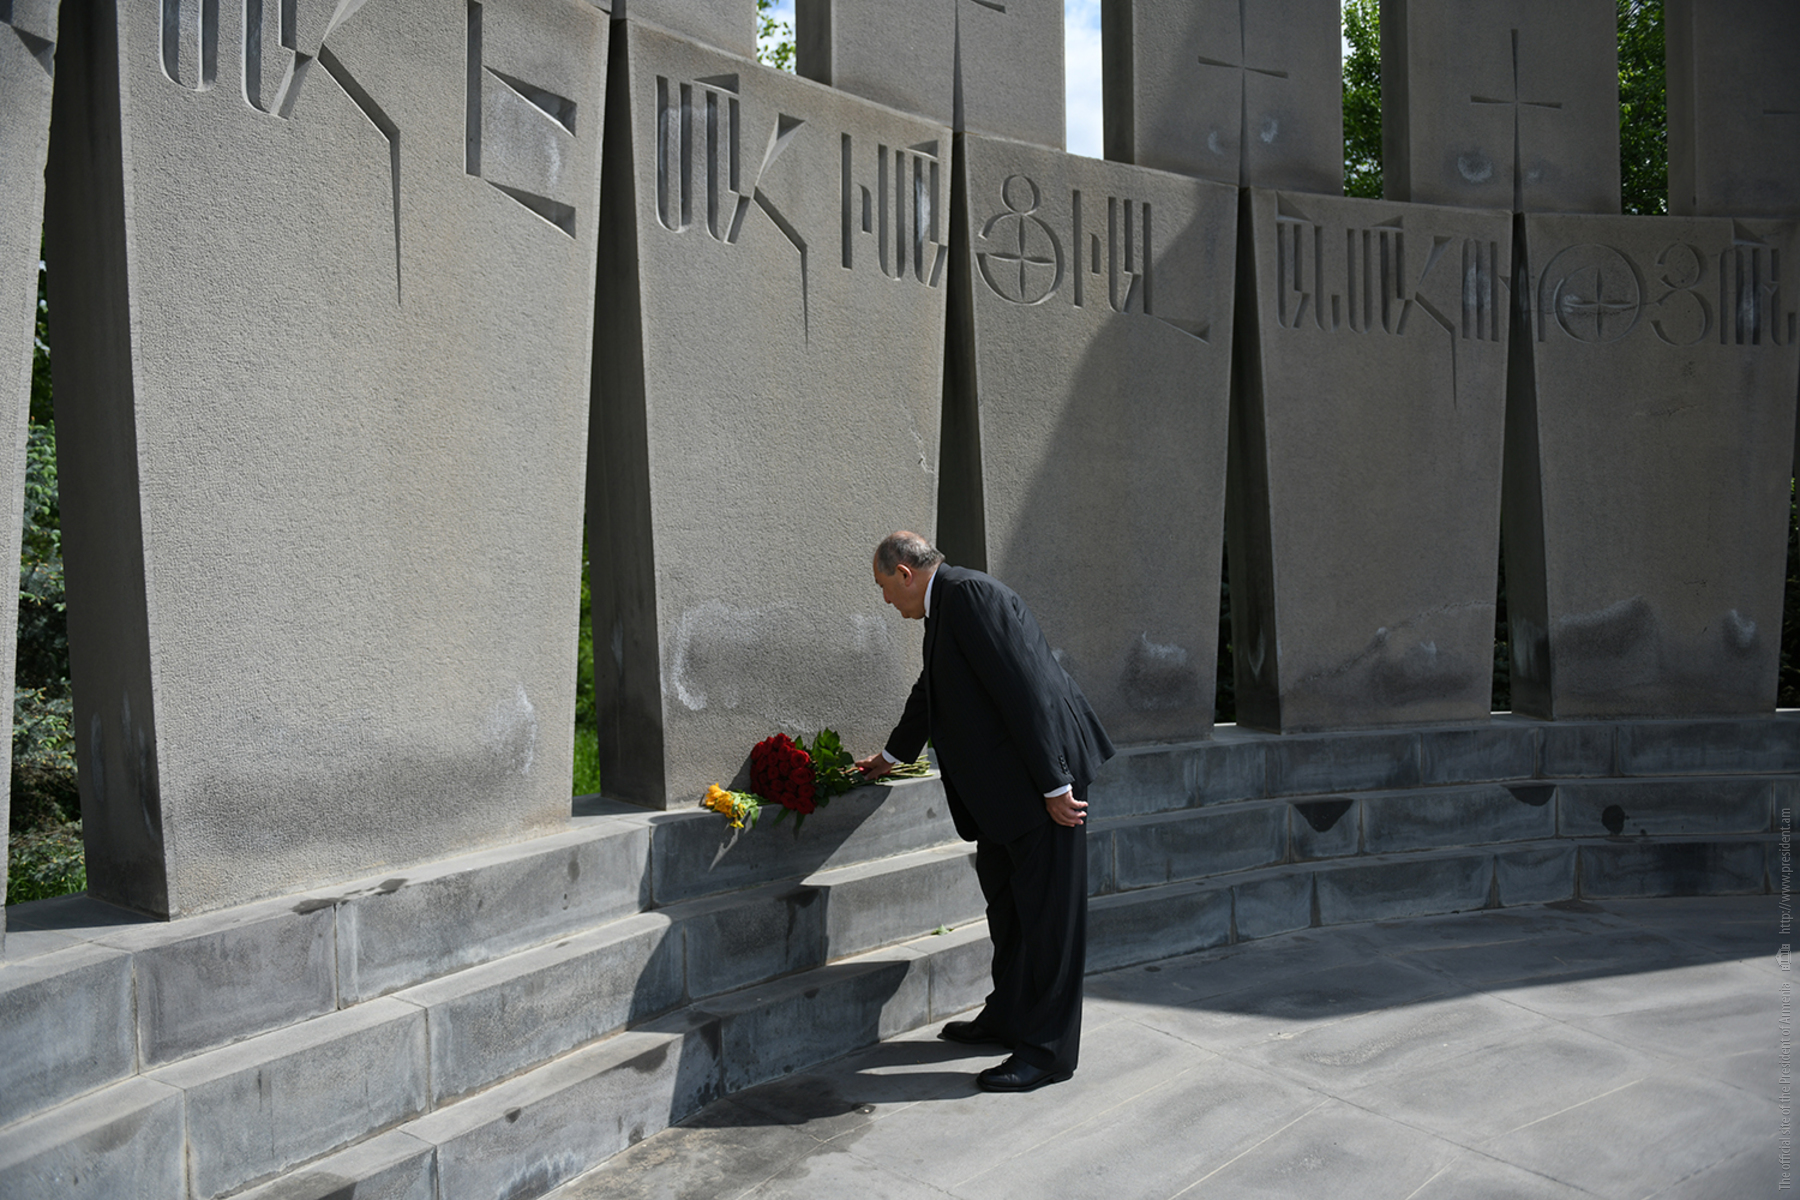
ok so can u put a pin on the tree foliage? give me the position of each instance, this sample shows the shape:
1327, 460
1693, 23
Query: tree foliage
1788, 691
44, 849
1643, 109
1362, 99
774, 38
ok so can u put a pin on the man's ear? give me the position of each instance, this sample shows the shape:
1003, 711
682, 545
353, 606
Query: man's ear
904, 572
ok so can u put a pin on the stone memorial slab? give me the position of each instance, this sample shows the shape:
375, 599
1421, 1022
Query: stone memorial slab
768, 382
977, 65
1734, 107
726, 24
1247, 94
1649, 449
1085, 463
322, 430
1503, 104
1364, 503
27, 63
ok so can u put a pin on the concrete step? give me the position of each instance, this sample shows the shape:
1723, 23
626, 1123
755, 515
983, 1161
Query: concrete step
698, 854
355, 1100
1240, 764
1128, 853
533, 1132
489, 1022
256, 1108
125, 1140
91, 993
1183, 917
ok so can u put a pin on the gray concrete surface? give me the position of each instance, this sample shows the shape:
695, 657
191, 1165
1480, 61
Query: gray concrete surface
1657, 339
1247, 94
260, 1107
74, 1011
1089, 377
357, 356
728, 24
1623, 1050
1506, 104
976, 65
1734, 107
123, 1141
1367, 432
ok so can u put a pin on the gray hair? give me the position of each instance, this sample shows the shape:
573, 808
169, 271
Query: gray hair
908, 548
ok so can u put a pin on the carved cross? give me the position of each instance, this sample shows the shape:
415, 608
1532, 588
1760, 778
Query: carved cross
1516, 102
1245, 69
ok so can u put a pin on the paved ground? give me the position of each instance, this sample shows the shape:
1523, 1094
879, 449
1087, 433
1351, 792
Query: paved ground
1622, 1050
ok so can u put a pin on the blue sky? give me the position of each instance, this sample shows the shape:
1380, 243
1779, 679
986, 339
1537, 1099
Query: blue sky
1081, 72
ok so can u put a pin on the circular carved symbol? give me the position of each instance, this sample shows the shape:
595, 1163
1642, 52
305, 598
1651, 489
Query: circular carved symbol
1593, 293
1027, 268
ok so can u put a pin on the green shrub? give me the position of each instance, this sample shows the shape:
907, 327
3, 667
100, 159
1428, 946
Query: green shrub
587, 737
47, 861
44, 795
1788, 693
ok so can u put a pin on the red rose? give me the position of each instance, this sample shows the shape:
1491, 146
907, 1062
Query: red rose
782, 771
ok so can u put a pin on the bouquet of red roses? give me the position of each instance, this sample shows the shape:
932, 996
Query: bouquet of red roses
782, 771
800, 779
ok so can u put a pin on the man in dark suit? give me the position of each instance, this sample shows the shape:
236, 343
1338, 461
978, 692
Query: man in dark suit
1018, 746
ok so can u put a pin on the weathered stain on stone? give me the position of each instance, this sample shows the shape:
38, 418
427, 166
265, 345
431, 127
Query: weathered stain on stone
1609, 632
1158, 676
1535, 794
1740, 634
650, 1061
1322, 815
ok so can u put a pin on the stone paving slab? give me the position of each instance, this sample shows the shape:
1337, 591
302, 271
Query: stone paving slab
1625, 1049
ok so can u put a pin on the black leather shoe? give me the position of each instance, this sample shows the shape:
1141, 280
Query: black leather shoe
970, 1034
1015, 1076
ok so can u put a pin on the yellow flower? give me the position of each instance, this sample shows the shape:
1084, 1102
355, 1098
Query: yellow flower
739, 806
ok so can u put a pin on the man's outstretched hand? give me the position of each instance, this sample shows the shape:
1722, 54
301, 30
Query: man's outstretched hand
874, 766
1065, 809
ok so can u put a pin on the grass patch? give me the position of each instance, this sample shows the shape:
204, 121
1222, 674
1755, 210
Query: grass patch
587, 761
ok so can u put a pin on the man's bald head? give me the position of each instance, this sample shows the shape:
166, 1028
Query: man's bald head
905, 546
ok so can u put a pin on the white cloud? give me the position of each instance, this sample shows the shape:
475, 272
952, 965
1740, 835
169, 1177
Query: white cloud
1081, 76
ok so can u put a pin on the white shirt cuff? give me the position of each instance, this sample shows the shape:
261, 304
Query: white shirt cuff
892, 761
1065, 788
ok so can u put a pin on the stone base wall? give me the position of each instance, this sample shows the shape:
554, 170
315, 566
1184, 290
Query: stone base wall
525, 1013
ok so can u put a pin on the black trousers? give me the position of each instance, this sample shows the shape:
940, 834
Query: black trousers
1036, 892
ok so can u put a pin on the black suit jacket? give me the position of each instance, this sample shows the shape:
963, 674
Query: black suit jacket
1007, 722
